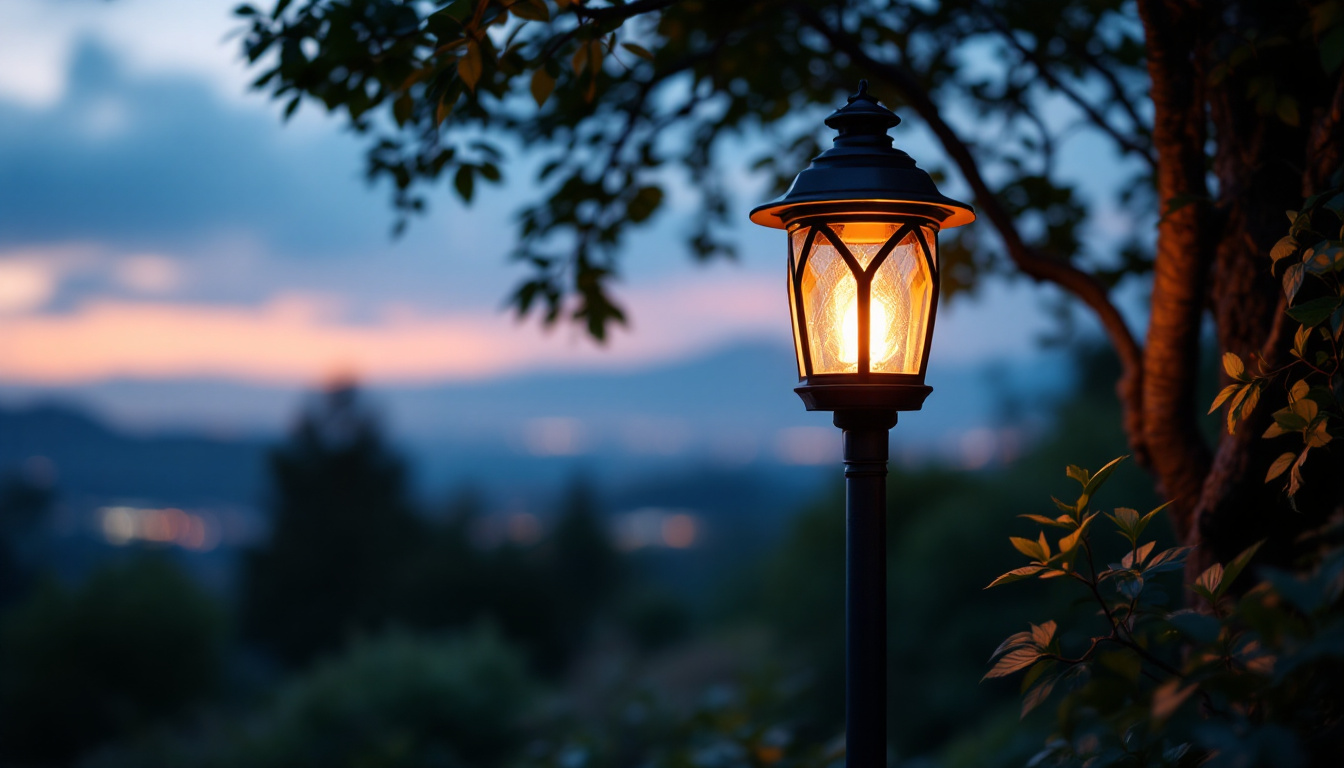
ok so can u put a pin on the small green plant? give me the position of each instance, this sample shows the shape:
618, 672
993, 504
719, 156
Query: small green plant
1243, 680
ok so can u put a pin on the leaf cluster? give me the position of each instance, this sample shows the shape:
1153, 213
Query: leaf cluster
1249, 680
1310, 259
618, 103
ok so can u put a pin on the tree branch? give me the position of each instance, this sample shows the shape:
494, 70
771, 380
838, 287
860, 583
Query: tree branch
1125, 142
622, 12
1117, 88
1029, 260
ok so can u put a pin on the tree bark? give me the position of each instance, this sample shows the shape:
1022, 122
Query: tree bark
1263, 165
1179, 457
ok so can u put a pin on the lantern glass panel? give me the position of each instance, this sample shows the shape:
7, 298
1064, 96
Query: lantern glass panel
902, 290
830, 300
900, 297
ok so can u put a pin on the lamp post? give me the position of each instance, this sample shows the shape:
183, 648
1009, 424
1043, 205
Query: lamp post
862, 226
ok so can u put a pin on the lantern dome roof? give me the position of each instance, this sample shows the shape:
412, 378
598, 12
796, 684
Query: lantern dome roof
863, 173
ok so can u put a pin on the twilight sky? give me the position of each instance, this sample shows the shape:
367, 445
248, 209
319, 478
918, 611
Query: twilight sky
158, 223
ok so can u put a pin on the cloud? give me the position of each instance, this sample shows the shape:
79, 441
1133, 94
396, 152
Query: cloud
161, 162
24, 286
149, 273
298, 338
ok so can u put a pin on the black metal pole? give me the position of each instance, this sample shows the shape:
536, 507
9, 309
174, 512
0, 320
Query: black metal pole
865, 585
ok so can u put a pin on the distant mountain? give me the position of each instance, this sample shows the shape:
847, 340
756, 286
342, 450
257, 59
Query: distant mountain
91, 459
518, 439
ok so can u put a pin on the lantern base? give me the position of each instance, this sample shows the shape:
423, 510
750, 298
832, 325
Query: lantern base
844, 397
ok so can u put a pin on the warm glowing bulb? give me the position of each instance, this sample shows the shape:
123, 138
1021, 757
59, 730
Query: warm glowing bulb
880, 345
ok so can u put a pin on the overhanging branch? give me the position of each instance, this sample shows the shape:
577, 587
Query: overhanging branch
1029, 260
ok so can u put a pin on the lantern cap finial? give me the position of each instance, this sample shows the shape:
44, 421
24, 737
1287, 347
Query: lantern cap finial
865, 171
862, 114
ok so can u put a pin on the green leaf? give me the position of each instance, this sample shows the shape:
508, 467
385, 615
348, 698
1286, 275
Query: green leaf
1037, 695
1077, 473
1210, 580
465, 182
1289, 421
1286, 247
1042, 636
1125, 518
1017, 574
1136, 557
1292, 280
1234, 367
644, 203
1317, 435
1068, 543
1325, 259
1094, 483
1013, 661
1129, 584
1234, 568
532, 10
542, 85
1168, 697
1143, 521
1043, 520
1012, 641
469, 66
1225, 393
1314, 312
638, 50
1167, 560
1027, 547
401, 108
1280, 464
1068, 509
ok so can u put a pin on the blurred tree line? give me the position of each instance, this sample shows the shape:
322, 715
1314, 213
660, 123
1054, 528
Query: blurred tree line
366, 632
349, 555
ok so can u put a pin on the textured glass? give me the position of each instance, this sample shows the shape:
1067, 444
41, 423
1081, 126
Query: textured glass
899, 305
903, 291
865, 238
829, 295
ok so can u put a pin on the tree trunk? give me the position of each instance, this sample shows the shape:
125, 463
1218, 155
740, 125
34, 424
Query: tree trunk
1218, 259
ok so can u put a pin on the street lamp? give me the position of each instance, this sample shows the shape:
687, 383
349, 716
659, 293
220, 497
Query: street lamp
863, 226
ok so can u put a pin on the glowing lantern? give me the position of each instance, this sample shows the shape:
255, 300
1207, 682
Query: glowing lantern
863, 227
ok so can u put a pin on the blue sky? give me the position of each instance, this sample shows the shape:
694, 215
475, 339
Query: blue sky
162, 231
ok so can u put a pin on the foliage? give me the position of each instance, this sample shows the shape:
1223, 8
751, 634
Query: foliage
624, 105
1245, 680
1312, 256
394, 701
744, 723
400, 700
340, 528
133, 645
